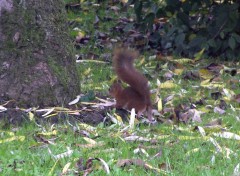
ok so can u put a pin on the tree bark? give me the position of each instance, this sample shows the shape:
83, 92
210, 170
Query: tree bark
37, 66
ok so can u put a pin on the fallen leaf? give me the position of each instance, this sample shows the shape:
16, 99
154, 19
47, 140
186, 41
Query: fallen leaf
160, 108
219, 110
236, 171
216, 68
98, 144
132, 118
227, 135
137, 138
31, 116
191, 114
68, 153
2, 109
89, 165
236, 98
206, 74
104, 164
195, 150
201, 130
49, 111
183, 60
168, 85
65, 169
214, 122
138, 162
90, 141
178, 71
20, 138
75, 100
217, 146
157, 155
140, 151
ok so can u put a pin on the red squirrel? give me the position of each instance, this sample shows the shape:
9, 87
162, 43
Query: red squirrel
137, 95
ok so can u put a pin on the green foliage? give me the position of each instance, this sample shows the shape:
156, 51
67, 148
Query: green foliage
189, 26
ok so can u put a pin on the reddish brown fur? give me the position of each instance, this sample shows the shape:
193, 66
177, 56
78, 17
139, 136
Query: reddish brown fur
137, 95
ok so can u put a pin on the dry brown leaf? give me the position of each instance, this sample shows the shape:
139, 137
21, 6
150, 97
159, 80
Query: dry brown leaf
89, 165
157, 155
214, 122
237, 98
214, 67
138, 162
191, 114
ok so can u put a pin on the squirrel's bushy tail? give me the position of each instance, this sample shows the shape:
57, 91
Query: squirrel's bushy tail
123, 64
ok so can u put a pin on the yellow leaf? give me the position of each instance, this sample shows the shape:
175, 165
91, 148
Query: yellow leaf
61, 109
198, 94
65, 168
204, 109
213, 129
205, 74
178, 71
78, 19
119, 118
168, 85
87, 127
81, 34
87, 72
160, 105
124, 1
192, 137
7, 132
158, 82
20, 138
165, 66
54, 132
52, 169
51, 115
208, 84
205, 82
155, 169
192, 151
141, 62
183, 60
90, 141
198, 55
163, 136
31, 116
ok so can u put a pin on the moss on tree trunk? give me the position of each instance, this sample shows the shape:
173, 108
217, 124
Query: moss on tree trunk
37, 66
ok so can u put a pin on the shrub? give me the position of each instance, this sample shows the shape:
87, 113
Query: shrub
188, 26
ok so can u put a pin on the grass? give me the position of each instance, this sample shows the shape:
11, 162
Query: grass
31, 157
32, 149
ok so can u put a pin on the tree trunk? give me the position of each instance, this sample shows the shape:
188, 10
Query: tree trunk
37, 67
